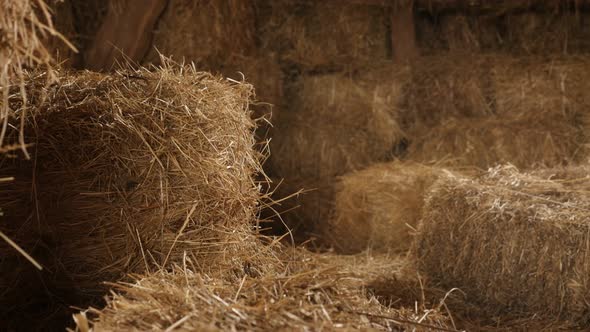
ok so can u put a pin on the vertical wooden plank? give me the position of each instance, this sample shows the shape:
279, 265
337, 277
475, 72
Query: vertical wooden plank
403, 32
125, 33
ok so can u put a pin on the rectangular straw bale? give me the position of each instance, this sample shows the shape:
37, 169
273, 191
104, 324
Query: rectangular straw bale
515, 243
440, 87
336, 123
488, 142
457, 32
324, 35
205, 32
559, 32
542, 89
128, 172
379, 207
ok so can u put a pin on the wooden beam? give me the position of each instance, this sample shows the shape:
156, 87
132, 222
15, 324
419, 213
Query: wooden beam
125, 33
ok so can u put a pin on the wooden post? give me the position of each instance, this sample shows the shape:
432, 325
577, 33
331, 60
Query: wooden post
126, 33
403, 34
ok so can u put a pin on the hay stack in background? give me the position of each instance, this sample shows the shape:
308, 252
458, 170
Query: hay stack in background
337, 123
561, 31
334, 124
315, 292
488, 142
379, 207
541, 33
525, 111
324, 35
457, 33
516, 244
541, 89
128, 173
205, 32
440, 87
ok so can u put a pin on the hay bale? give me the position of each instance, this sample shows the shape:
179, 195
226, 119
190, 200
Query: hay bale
488, 142
457, 33
525, 111
314, 292
515, 243
337, 123
441, 88
204, 31
379, 207
564, 32
545, 89
129, 172
324, 35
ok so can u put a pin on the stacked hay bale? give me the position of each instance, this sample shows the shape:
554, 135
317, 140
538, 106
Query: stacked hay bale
515, 243
315, 292
525, 111
379, 207
443, 33
336, 123
317, 36
508, 28
541, 33
204, 31
129, 172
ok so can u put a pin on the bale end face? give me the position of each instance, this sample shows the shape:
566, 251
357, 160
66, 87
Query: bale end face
129, 173
379, 207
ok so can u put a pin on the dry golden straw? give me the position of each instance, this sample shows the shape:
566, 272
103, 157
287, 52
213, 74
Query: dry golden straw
334, 123
312, 292
379, 207
515, 243
528, 111
24, 27
129, 172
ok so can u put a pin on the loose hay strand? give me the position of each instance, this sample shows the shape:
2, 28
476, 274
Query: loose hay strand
21, 251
